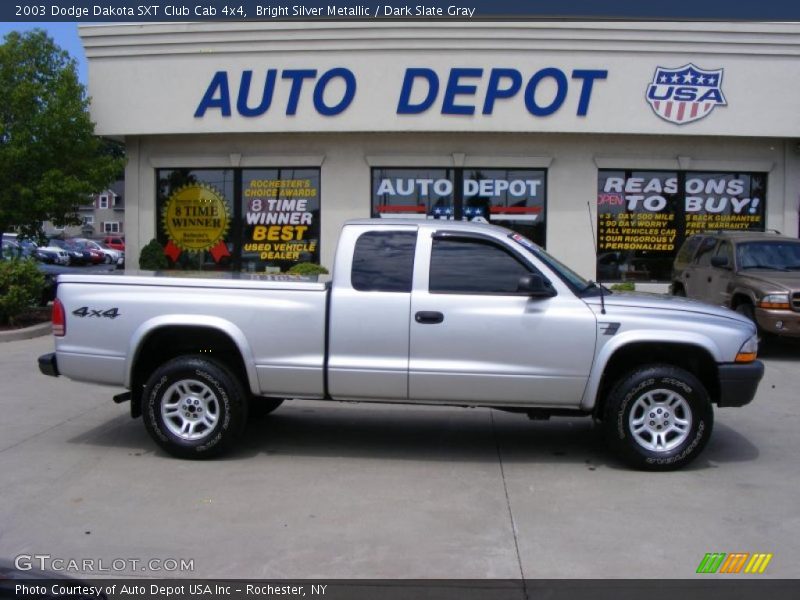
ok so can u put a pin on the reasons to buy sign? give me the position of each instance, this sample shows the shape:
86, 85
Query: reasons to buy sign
656, 211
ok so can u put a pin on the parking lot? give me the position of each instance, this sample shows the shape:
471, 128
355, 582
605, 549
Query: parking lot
323, 490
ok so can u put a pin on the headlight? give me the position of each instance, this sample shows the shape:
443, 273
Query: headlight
747, 353
775, 301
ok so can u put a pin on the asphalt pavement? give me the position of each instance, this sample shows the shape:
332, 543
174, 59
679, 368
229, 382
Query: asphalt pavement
323, 490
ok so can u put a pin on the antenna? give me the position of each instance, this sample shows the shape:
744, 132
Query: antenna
594, 243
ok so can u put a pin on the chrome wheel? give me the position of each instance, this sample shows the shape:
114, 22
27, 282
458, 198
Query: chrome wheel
190, 409
660, 420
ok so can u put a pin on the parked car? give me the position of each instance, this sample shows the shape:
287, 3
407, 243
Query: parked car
115, 242
52, 255
425, 312
756, 274
76, 255
96, 256
26, 247
110, 256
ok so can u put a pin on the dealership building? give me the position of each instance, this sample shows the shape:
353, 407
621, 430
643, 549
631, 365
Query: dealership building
249, 144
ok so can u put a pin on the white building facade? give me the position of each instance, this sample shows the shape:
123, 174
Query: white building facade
249, 144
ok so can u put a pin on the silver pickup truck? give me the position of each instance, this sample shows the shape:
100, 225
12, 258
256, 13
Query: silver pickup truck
427, 312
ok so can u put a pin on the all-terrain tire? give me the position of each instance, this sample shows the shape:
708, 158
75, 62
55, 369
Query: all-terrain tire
658, 417
194, 407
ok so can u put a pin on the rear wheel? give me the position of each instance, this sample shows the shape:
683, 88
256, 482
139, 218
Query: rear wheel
658, 417
194, 407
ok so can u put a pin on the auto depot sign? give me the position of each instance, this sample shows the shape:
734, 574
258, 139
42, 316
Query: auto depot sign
331, 92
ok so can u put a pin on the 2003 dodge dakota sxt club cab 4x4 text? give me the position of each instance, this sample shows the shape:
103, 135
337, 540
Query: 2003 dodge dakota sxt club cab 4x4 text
406, 319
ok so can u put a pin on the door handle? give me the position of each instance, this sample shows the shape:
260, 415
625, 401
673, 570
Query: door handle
428, 317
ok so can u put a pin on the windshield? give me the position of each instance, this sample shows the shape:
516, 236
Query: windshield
776, 256
571, 278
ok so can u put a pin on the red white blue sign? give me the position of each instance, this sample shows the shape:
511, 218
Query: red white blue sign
685, 94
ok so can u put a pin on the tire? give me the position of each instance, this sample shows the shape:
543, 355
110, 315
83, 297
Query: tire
194, 407
677, 290
261, 407
746, 310
658, 441
107, 259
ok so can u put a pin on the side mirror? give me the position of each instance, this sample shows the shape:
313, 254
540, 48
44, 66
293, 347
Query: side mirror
535, 286
721, 262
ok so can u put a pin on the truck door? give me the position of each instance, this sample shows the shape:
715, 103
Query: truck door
718, 277
369, 312
697, 273
475, 338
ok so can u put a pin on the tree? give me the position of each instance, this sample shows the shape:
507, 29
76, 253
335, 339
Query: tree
50, 158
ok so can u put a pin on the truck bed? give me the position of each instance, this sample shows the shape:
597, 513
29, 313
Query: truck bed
278, 324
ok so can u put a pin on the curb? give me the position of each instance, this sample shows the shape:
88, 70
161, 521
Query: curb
26, 333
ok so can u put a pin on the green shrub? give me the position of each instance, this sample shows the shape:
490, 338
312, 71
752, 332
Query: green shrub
625, 286
21, 286
308, 269
152, 257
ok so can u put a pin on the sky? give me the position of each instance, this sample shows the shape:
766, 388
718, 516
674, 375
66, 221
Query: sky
64, 34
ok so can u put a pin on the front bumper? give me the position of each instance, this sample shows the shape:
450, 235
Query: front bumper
738, 382
779, 322
48, 364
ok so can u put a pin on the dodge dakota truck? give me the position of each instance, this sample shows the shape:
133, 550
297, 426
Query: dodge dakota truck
416, 312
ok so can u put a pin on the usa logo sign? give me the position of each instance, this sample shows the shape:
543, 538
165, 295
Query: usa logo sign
685, 94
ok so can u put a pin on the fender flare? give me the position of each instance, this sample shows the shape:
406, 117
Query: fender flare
620, 341
162, 321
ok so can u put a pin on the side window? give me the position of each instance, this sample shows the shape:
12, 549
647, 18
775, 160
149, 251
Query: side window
686, 252
383, 261
703, 257
468, 266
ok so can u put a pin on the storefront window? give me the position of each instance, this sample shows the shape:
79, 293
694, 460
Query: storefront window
513, 198
281, 218
254, 220
412, 193
195, 214
643, 217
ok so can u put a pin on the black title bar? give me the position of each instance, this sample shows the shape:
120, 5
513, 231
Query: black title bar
133, 11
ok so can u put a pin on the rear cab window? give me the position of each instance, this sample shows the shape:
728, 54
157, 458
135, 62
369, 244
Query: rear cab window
383, 261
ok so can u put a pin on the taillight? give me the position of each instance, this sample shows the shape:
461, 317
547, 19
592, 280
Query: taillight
59, 319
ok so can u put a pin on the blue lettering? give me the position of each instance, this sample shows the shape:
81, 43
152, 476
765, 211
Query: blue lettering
449, 107
218, 83
684, 94
349, 92
653, 90
561, 92
714, 95
495, 92
266, 96
404, 106
588, 77
297, 76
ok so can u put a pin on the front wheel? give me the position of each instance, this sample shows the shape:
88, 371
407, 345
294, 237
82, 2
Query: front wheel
746, 310
194, 407
658, 417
